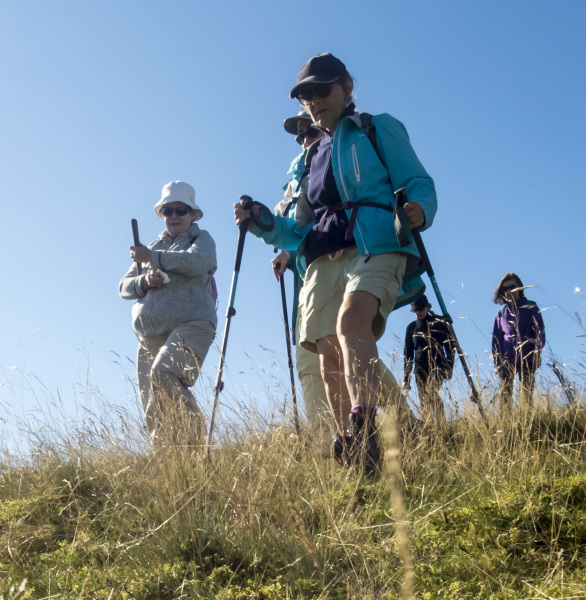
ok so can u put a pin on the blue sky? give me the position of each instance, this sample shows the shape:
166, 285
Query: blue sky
104, 102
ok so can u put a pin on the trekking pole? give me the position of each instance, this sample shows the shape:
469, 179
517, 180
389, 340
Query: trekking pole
231, 311
289, 354
134, 224
400, 200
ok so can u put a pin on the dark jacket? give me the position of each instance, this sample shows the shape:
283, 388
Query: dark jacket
518, 335
430, 345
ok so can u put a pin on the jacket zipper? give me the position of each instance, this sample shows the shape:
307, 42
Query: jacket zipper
340, 165
355, 162
357, 226
357, 172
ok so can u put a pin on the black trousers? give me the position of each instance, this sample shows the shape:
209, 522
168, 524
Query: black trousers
526, 375
429, 386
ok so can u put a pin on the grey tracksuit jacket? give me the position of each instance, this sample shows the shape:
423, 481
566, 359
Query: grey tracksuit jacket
189, 261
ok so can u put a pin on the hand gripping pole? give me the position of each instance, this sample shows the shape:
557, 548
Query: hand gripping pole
134, 224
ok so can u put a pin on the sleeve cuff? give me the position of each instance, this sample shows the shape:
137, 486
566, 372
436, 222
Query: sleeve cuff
155, 259
138, 286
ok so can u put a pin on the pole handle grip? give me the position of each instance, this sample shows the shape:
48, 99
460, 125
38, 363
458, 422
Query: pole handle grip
134, 224
247, 203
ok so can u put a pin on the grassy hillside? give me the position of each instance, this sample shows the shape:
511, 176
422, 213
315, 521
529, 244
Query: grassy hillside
493, 509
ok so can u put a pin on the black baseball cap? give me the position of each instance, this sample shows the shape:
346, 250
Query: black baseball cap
322, 68
420, 303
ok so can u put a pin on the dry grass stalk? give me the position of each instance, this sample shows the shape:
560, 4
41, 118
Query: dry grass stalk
392, 468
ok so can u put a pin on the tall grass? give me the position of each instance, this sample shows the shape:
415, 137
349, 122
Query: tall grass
491, 508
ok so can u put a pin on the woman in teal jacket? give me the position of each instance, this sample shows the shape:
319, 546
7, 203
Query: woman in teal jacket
356, 270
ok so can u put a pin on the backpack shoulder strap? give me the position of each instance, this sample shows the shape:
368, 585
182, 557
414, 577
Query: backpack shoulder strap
369, 129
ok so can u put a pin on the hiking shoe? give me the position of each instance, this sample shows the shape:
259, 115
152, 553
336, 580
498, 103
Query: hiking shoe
359, 447
366, 447
341, 449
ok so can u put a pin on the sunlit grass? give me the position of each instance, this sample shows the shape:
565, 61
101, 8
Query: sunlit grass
491, 508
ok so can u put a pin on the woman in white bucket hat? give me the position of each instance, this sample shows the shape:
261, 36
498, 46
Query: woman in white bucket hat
174, 315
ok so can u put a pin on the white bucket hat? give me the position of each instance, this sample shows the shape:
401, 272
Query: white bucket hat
178, 191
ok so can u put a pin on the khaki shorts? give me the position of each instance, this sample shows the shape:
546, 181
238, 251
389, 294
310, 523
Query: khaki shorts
328, 280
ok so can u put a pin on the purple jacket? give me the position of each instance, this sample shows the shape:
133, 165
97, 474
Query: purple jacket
518, 336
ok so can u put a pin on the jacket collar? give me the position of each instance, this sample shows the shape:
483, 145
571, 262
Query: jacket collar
351, 114
193, 231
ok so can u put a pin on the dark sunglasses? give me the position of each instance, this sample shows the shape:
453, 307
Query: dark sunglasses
305, 94
180, 211
311, 134
508, 288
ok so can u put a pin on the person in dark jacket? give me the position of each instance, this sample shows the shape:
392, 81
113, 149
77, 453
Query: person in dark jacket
518, 337
429, 345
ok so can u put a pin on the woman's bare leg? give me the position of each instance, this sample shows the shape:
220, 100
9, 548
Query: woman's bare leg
358, 346
331, 363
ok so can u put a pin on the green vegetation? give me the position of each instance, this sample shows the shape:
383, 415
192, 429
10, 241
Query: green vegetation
493, 510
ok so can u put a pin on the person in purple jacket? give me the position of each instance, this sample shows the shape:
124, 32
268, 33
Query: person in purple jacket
518, 337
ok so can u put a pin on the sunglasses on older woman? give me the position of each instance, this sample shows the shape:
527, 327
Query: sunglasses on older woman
305, 94
180, 211
310, 134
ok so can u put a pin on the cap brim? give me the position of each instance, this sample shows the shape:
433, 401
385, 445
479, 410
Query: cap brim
313, 79
290, 124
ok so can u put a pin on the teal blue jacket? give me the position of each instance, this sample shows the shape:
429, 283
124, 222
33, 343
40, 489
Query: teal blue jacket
361, 176
295, 202
296, 170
